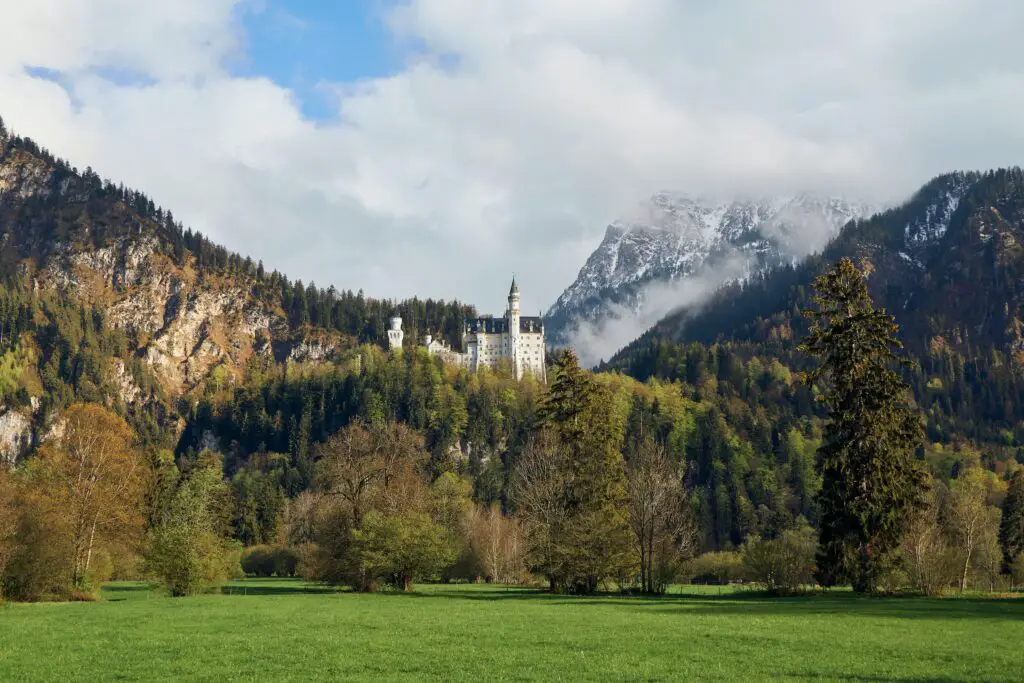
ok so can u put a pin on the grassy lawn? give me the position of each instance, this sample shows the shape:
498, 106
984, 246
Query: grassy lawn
278, 629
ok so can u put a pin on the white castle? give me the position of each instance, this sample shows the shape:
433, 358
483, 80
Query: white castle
488, 340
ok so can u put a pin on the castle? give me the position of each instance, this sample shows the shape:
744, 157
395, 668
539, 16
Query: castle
488, 340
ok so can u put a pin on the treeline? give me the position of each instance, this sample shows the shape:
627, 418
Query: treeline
746, 427
748, 474
975, 399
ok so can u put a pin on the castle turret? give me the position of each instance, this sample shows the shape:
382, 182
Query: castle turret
513, 327
395, 333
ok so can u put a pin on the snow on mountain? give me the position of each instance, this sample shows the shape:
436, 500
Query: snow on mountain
678, 249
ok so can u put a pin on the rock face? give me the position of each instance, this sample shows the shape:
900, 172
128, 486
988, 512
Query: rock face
16, 436
642, 265
179, 319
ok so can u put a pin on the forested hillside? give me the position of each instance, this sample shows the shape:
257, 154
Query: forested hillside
948, 264
106, 296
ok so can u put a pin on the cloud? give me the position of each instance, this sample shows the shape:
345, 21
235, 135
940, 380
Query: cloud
596, 342
516, 129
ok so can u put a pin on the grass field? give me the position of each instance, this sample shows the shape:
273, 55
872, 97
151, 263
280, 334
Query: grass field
278, 629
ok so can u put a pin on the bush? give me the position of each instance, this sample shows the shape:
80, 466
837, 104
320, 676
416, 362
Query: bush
784, 564
309, 562
186, 549
719, 567
265, 561
101, 568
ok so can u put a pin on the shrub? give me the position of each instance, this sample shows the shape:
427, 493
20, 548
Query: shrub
265, 561
258, 560
186, 549
309, 562
784, 564
716, 568
101, 568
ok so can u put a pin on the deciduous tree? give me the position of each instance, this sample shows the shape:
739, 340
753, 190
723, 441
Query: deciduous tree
973, 523
189, 548
664, 531
96, 480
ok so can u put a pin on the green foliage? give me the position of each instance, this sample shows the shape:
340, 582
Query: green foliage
870, 482
1011, 529
586, 539
187, 548
267, 560
399, 549
716, 567
784, 564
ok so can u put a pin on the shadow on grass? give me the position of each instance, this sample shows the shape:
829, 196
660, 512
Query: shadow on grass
265, 587
757, 603
893, 679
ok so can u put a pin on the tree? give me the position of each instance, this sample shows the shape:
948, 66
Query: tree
8, 523
924, 550
189, 547
496, 541
783, 564
664, 532
1011, 529
870, 482
538, 491
400, 548
96, 480
973, 524
381, 522
595, 542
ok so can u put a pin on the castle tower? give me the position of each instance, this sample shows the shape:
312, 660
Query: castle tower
395, 334
513, 327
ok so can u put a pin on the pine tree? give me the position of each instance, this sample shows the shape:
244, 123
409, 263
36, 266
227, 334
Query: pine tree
1011, 529
870, 482
596, 544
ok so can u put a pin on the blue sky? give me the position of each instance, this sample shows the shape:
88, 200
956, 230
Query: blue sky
302, 44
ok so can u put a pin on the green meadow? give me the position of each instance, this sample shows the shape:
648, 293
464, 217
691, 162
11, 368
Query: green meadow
291, 630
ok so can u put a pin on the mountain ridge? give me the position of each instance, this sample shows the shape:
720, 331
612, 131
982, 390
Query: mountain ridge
677, 241
946, 263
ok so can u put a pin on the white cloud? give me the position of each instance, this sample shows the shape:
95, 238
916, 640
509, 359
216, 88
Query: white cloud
518, 128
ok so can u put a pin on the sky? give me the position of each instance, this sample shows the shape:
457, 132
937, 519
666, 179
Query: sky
434, 147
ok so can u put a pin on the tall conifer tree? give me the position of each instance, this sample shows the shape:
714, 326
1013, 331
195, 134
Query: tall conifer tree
597, 542
1011, 529
870, 481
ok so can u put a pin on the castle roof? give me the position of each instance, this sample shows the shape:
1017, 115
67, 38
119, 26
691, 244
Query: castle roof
488, 325
515, 287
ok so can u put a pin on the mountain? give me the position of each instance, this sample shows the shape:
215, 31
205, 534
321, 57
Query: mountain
948, 264
676, 251
105, 297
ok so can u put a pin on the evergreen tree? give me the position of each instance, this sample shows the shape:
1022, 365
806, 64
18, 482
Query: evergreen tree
1011, 530
870, 482
597, 542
